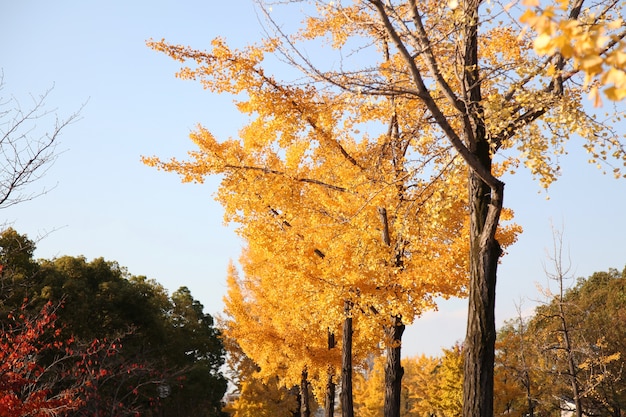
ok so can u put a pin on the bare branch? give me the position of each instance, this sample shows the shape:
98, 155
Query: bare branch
26, 154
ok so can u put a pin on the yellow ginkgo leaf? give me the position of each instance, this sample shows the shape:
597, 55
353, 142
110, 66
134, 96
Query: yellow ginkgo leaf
544, 44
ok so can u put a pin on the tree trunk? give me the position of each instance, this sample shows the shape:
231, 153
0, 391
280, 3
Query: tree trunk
393, 368
347, 405
329, 403
571, 364
484, 254
329, 400
295, 390
485, 201
305, 409
529, 398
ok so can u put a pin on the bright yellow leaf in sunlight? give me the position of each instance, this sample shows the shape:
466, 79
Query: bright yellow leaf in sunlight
595, 49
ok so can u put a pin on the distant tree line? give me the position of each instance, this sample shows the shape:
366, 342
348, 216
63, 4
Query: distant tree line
569, 356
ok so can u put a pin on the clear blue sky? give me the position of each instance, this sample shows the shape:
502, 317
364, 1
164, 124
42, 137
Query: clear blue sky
107, 204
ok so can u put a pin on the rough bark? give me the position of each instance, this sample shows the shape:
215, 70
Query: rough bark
329, 400
393, 335
393, 368
347, 405
481, 332
485, 200
296, 391
305, 409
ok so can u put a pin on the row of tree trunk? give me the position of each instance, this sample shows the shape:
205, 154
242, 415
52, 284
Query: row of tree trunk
393, 373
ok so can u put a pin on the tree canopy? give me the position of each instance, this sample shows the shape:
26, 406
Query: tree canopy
379, 133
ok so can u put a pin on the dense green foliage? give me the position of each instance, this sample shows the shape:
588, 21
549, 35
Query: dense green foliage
169, 343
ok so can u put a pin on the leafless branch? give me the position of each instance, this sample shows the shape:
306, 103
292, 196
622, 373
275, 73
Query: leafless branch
25, 153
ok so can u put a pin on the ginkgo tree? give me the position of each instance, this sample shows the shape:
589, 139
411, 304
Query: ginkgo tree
438, 88
376, 221
283, 340
253, 395
304, 265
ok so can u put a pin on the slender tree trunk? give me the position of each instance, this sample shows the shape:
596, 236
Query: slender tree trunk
329, 400
347, 405
525, 378
393, 335
571, 364
329, 403
529, 398
393, 368
305, 409
296, 391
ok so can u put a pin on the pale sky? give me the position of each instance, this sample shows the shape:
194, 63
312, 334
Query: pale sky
107, 204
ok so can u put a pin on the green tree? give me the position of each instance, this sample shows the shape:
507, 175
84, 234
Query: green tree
193, 346
602, 301
169, 343
597, 305
17, 268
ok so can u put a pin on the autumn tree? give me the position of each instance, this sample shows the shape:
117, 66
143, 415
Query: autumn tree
561, 345
518, 387
28, 387
593, 43
448, 391
432, 386
369, 398
339, 209
47, 369
327, 228
600, 308
282, 344
418, 380
255, 395
137, 349
565, 349
45, 373
460, 77
576, 361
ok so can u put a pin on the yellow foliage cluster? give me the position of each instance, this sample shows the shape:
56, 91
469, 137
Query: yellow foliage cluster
585, 41
258, 398
254, 395
431, 386
351, 187
329, 215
